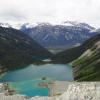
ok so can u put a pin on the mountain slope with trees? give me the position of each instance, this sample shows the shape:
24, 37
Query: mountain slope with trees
18, 50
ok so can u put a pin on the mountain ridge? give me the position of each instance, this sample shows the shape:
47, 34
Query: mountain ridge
71, 54
86, 67
18, 50
60, 35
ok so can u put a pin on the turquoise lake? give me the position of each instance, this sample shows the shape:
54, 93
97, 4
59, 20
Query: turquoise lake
26, 81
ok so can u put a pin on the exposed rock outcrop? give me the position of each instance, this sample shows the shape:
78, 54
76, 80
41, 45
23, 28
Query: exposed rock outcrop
74, 91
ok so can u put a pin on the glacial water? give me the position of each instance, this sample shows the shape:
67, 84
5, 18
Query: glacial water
26, 81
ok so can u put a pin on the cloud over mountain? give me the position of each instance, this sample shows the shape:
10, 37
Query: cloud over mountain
50, 10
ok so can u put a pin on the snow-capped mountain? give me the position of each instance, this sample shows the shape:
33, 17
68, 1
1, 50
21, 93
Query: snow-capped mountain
64, 34
6, 25
11, 25
82, 25
59, 35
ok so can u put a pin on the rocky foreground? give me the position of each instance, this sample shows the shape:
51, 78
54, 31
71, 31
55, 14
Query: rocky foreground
73, 91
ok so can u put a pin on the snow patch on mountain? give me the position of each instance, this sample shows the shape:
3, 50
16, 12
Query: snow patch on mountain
32, 25
5, 25
77, 24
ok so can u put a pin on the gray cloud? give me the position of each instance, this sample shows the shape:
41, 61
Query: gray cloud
50, 11
12, 15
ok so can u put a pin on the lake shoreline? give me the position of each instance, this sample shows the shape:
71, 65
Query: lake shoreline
30, 84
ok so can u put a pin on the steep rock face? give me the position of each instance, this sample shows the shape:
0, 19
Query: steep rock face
63, 35
82, 91
87, 66
18, 49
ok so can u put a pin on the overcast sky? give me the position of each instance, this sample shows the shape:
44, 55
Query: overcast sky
50, 11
